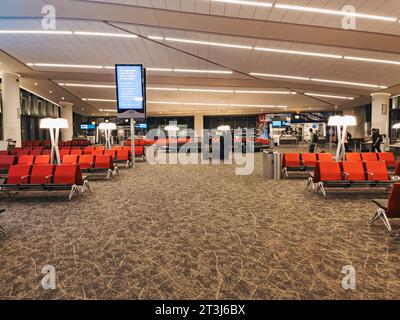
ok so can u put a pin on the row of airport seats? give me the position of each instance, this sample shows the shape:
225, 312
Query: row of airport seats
387, 157
350, 174
45, 177
144, 142
47, 143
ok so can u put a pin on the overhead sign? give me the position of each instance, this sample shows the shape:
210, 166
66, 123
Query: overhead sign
131, 90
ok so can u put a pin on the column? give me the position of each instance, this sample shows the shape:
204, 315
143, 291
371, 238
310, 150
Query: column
67, 113
11, 107
380, 112
198, 125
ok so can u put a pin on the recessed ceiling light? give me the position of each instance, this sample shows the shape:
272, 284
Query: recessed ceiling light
248, 3
334, 12
278, 76
209, 43
36, 84
155, 38
50, 91
105, 34
304, 53
62, 98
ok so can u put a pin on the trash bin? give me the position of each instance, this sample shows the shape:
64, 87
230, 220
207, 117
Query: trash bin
272, 165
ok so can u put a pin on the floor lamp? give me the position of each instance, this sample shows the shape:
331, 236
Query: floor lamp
54, 126
341, 123
108, 127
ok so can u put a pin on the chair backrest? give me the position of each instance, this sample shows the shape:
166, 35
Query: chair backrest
76, 152
388, 157
323, 157
23, 152
64, 152
88, 150
7, 161
26, 159
123, 155
393, 209
376, 171
309, 159
98, 152
104, 162
110, 153
17, 172
70, 159
46, 152
68, 174
327, 171
100, 148
36, 152
139, 150
42, 174
353, 170
43, 159
369, 156
4, 153
117, 148
353, 156
291, 160
86, 161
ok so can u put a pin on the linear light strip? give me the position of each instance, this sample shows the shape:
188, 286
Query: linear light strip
81, 85
247, 3
372, 60
214, 104
278, 76
327, 96
105, 34
303, 53
209, 43
334, 12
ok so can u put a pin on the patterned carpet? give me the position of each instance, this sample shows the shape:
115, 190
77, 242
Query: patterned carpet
196, 232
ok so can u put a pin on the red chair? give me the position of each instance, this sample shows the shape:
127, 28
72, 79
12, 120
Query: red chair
309, 159
36, 152
42, 174
353, 170
117, 148
388, 209
110, 153
353, 157
388, 158
76, 152
18, 174
291, 162
26, 159
139, 151
100, 148
4, 153
369, 156
124, 156
86, 161
6, 162
64, 152
46, 152
323, 157
23, 152
42, 160
70, 159
105, 163
88, 150
98, 152
327, 174
69, 176
376, 171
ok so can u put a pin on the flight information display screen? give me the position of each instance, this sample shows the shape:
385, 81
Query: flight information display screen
130, 88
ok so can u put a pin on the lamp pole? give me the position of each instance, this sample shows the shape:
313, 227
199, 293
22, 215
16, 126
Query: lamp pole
133, 123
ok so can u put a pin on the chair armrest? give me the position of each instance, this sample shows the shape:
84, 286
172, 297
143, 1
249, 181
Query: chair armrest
370, 174
47, 178
346, 175
24, 177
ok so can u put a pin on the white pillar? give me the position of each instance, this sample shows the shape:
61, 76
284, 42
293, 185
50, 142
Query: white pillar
380, 112
198, 125
11, 107
67, 113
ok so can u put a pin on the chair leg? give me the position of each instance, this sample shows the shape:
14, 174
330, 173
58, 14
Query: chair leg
322, 189
109, 173
376, 216
310, 183
386, 221
128, 164
86, 186
74, 190
3, 233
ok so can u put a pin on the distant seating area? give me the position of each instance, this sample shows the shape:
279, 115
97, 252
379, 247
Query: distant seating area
363, 175
49, 177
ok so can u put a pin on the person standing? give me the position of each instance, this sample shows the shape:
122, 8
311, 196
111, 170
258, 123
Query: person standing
376, 141
313, 141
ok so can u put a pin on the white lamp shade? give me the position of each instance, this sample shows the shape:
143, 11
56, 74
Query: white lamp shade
396, 126
334, 121
224, 128
349, 120
171, 128
51, 123
342, 121
107, 126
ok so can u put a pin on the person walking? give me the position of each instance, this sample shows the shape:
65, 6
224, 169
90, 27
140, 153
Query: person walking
376, 141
